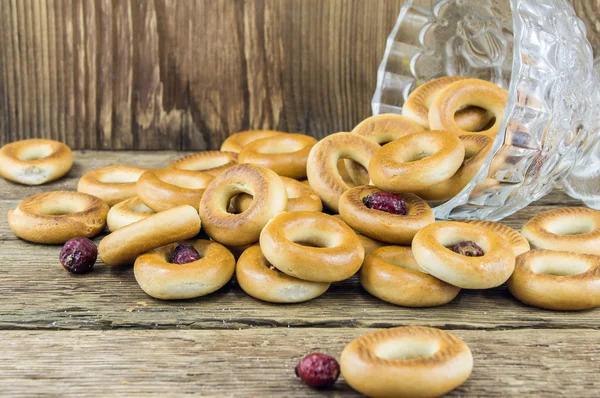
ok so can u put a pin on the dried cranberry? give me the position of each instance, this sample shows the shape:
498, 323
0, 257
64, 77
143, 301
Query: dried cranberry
386, 201
468, 248
318, 370
78, 255
184, 254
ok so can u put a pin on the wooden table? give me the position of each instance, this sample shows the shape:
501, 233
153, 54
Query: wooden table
100, 334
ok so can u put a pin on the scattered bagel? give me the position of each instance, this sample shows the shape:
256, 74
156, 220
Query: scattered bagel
167, 281
270, 199
112, 184
380, 225
493, 268
35, 161
474, 92
336, 253
556, 280
416, 161
409, 361
573, 229
285, 154
322, 167
261, 280
300, 198
416, 107
164, 189
56, 217
127, 212
211, 162
392, 274
236, 142
124, 245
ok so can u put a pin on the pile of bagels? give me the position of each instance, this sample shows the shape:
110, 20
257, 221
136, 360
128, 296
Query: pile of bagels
286, 213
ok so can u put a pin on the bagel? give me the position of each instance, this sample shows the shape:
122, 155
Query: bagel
164, 280
517, 241
386, 128
477, 148
112, 184
574, 229
35, 161
127, 212
392, 274
409, 361
416, 107
322, 171
263, 281
124, 245
241, 229
465, 92
416, 161
285, 154
56, 217
556, 280
300, 198
164, 189
287, 239
493, 268
211, 162
236, 142
380, 225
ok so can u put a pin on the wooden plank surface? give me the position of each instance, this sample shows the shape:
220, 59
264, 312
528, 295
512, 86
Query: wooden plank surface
168, 74
100, 334
260, 362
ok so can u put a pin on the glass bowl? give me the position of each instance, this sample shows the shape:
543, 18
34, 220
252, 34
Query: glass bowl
535, 49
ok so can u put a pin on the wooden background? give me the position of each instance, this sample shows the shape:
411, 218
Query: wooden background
166, 74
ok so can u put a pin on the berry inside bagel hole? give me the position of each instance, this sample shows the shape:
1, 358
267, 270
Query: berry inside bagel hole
468, 248
184, 254
386, 201
402, 350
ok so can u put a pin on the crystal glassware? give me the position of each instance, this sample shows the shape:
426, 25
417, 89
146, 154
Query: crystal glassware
537, 50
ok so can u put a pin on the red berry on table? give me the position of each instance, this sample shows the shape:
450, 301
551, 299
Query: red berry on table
78, 255
386, 201
318, 370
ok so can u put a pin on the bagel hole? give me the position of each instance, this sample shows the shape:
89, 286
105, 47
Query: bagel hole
60, 209
318, 241
360, 172
278, 147
34, 153
559, 266
206, 163
119, 177
184, 181
450, 242
240, 203
575, 226
141, 208
477, 124
405, 349
403, 263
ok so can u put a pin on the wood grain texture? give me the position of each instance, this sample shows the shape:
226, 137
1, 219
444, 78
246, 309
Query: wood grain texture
260, 363
167, 74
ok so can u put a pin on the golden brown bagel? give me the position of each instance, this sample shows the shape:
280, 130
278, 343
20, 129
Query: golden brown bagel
300, 198
380, 225
322, 171
555, 280
211, 162
285, 154
431, 250
56, 217
164, 189
477, 148
465, 92
392, 274
263, 281
112, 184
236, 142
270, 199
35, 161
409, 361
124, 245
127, 212
164, 280
337, 253
418, 102
517, 241
416, 161
574, 229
